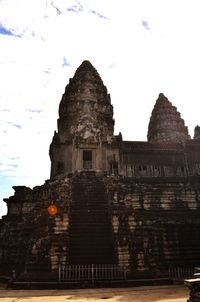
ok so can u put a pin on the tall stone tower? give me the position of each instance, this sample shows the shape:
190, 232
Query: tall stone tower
166, 124
85, 124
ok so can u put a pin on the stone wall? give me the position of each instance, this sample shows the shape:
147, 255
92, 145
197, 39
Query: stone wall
155, 223
31, 241
144, 159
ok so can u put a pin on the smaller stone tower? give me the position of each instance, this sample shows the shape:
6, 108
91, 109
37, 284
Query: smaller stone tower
197, 132
85, 125
166, 124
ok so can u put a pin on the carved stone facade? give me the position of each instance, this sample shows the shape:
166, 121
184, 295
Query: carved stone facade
117, 202
85, 124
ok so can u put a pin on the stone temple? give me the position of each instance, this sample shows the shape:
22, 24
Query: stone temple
108, 203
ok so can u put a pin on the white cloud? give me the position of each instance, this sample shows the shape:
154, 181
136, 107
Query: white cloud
135, 64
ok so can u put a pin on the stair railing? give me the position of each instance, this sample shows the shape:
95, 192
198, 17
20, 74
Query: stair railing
91, 272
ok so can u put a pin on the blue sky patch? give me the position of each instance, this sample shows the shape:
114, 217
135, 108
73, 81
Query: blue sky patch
65, 62
98, 14
58, 12
35, 110
5, 31
13, 158
145, 24
14, 125
47, 71
76, 8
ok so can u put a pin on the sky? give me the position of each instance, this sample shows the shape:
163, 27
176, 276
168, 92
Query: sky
139, 47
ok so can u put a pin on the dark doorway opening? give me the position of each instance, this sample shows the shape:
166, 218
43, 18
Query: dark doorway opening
87, 159
114, 168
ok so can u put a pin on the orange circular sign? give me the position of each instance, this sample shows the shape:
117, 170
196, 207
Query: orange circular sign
52, 209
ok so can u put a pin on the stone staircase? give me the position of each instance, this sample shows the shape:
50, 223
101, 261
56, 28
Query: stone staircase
90, 229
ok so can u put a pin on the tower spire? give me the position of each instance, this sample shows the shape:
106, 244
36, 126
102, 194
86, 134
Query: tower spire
85, 121
85, 111
166, 124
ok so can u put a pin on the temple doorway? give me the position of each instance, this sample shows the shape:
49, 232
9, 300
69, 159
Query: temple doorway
87, 159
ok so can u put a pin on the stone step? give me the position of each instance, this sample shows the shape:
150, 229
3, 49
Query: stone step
79, 239
89, 222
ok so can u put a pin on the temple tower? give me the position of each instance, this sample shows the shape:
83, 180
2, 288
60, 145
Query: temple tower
166, 124
197, 132
85, 125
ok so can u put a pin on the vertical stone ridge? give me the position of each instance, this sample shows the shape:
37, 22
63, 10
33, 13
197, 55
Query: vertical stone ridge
166, 124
